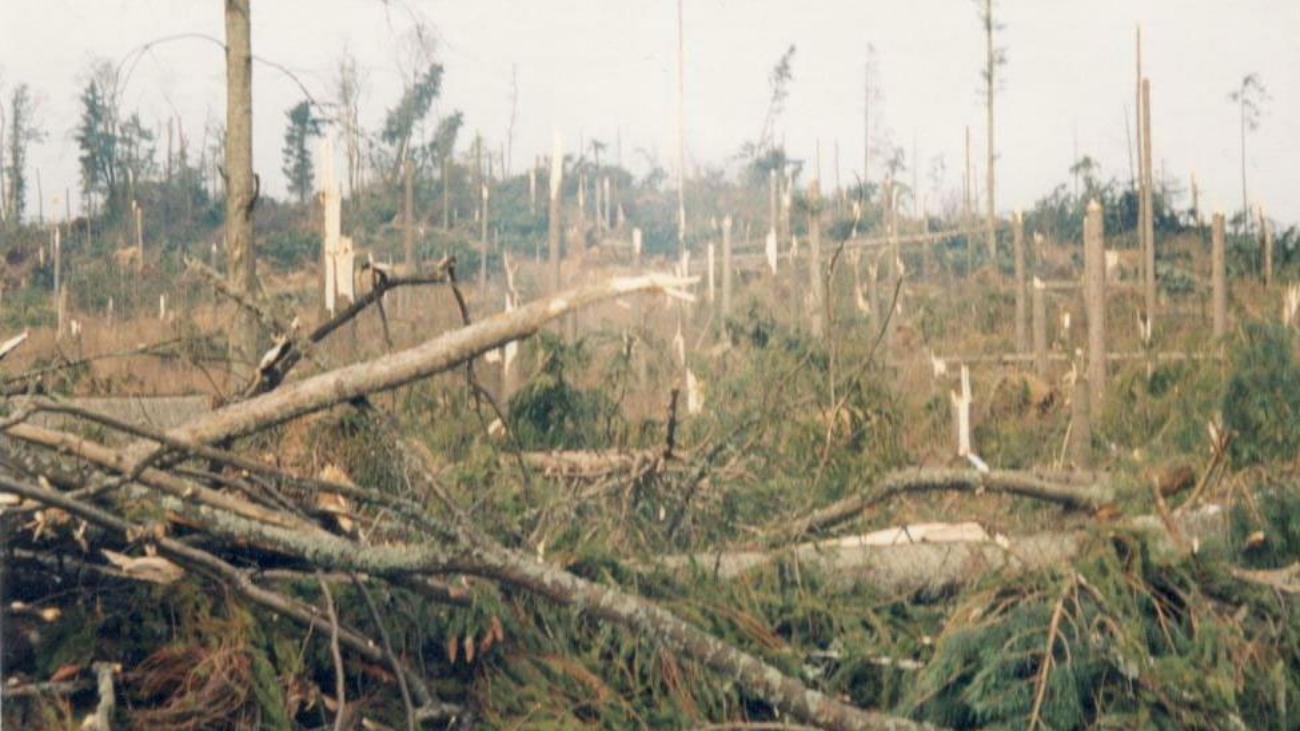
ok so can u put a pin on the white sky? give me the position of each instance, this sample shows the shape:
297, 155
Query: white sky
599, 68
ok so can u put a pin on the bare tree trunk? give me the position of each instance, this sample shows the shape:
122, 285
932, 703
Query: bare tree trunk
1137, 112
991, 60
968, 185
1218, 279
446, 192
726, 268
1266, 241
681, 133
554, 228
1148, 222
241, 192
1081, 425
1040, 329
815, 258
1094, 259
1018, 249
866, 124
1245, 201
483, 241
408, 219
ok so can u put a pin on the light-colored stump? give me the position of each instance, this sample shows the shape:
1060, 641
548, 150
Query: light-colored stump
1040, 328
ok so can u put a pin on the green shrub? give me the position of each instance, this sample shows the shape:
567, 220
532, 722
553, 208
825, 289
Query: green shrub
550, 412
1262, 402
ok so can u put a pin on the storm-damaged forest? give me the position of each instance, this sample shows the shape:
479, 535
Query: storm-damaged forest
438, 430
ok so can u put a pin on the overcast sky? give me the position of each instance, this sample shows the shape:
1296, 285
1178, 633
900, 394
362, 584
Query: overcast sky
607, 69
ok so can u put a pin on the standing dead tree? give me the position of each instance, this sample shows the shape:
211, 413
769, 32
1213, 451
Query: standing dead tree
241, 186
993, 58
1094, 281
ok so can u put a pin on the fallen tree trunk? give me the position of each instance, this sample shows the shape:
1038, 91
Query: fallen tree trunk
913, 561
591, 464
435, 356
1022, 484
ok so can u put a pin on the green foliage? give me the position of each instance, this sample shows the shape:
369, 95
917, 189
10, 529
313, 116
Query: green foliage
22, 133
98, 141
410, 110
292, 248
550, 412
1277, 518
1137, 644
1261, 404
1164, 409
303, 126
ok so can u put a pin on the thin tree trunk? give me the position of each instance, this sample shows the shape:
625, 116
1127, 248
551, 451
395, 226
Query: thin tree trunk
1245, 201
1148, 222
1018, 250
1094, 259
241, 193
1218, 279
990, 233
554, 228
408, 219
815, 307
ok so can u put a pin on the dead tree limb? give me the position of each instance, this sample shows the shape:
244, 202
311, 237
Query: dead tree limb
908, 562
273, 374
185, 491
1021, 484
403, 508
398, 369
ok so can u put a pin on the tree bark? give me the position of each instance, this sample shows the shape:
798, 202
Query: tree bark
1022, 484
1018, 250
914, 565
408, 218
1149, 218
991, 61
1094, 262
1218, 278
241, 193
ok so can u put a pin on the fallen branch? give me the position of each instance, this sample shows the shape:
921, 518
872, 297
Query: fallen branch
407, 366
590, 464
1285, 580
1021, 484
930, 560
272, 374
